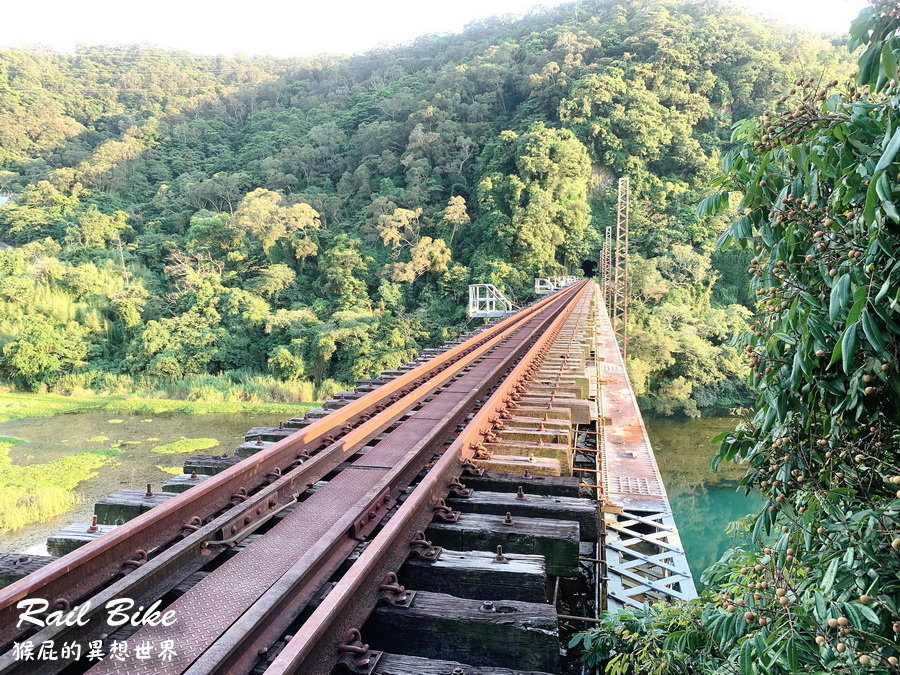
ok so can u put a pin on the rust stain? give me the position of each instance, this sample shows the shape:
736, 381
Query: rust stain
631, 474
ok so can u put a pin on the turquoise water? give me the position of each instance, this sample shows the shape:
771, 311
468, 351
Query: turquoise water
703, 502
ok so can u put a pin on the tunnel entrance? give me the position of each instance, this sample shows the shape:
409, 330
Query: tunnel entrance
589, 267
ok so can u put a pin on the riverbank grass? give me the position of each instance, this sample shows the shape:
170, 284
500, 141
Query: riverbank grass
39, 492
18, 405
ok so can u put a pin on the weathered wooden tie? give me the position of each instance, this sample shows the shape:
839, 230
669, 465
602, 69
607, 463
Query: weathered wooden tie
400, 664
248, 448
479, 575
556, 540
73, 536
583, 511
561, 452
268, 433
208, 465
182, 482
499, 481
14, 566
123, 505
509, 634
517, 464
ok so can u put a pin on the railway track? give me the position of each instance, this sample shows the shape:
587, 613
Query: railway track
289, 560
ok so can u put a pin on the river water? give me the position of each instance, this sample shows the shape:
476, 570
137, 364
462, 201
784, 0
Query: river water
703, 502
134, 436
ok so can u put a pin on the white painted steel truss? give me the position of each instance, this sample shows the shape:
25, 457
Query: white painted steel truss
546, 285
645, 560
487, 301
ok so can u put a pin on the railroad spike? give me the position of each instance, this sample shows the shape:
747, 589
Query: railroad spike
444, 513
469, 468
458, 489
356, 657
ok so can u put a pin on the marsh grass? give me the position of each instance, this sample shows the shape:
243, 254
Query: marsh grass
186, 445
39, 492
18, 405
237, 386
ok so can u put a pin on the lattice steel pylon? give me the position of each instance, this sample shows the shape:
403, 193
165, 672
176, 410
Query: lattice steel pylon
621, 286
605, 269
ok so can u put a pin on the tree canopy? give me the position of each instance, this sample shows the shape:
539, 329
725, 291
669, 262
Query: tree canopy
156, 194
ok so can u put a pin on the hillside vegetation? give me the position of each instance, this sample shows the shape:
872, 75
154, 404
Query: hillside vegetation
251, 228
816, 586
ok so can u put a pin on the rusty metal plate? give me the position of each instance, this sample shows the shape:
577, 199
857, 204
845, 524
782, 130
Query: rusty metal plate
211, 606
631, 474
314, 648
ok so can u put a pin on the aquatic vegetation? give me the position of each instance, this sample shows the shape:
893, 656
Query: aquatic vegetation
186, 445
174, 470
16, 406
38, 492
98, 439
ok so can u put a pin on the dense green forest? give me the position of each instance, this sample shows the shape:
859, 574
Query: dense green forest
815, 585
224, 228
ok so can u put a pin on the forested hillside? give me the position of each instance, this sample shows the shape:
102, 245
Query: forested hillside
814, 583
242, 227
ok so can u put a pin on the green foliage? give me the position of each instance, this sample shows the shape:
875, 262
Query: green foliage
817, 589
320, 219
533, 200
17, 405
42, 350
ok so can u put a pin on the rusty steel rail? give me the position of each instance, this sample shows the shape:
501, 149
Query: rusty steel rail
389, 468
317, 646
101, 560
70, 578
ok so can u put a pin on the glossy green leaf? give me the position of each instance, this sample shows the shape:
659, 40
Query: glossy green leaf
873, 333
840, 296
889, 152
849, 343
830, 573
714, 203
